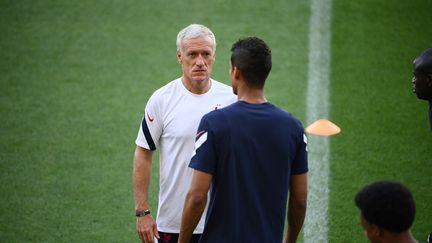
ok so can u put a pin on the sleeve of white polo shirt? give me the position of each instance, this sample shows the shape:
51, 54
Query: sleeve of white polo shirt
152, 123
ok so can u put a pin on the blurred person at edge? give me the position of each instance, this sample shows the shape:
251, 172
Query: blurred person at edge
422, 80
387, 211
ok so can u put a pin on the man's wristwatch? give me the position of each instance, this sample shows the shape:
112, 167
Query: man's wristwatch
142, 213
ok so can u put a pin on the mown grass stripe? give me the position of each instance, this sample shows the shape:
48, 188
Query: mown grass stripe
316, 222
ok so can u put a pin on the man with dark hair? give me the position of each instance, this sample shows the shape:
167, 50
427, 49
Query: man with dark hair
422, 80
387, 211
251, 154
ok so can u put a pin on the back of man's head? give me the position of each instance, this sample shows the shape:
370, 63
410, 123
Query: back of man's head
389, 205
252, 56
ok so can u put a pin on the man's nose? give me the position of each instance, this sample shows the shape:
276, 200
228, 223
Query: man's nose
200, 60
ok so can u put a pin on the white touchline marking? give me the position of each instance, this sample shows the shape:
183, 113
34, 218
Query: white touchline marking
316, 222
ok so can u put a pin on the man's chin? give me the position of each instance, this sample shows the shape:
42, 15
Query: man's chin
423, 96
200, 79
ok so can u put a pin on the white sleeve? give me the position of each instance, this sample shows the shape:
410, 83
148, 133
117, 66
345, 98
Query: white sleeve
152, 123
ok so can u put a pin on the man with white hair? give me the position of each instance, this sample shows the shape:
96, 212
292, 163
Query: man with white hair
170, 121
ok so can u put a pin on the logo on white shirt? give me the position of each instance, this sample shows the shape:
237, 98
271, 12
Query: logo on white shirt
151, 119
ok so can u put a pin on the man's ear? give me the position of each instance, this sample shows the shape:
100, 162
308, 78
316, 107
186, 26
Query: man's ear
376, 231
429, 78
237, 72
179, 57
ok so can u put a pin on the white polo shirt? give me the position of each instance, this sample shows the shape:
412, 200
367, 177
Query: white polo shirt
170, 122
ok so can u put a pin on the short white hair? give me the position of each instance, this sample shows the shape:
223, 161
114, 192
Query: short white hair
194, 31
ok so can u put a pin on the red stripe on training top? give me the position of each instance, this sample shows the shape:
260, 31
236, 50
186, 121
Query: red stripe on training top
199, 133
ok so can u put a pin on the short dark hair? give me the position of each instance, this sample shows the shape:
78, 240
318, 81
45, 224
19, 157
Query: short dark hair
252, 56
387, 204
424, 61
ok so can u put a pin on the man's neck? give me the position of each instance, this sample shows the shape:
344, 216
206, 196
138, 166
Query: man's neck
404, 237
196, 87
252, 96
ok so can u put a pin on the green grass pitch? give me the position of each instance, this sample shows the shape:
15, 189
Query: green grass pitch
75, 77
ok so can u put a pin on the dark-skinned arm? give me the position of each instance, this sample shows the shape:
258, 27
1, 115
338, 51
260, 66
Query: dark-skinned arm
195, 202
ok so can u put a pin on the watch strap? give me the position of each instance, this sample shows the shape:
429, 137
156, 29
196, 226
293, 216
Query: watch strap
142, 213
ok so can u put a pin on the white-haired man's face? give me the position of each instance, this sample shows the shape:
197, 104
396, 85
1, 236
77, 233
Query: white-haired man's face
197, 56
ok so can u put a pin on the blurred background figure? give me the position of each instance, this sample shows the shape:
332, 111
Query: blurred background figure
422, 80
387, 211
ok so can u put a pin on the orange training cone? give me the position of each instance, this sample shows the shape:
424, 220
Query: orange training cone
323, 127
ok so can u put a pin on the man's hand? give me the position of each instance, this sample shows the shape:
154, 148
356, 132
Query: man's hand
145, 225
147, 229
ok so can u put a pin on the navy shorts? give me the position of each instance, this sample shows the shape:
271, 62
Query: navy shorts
173, 238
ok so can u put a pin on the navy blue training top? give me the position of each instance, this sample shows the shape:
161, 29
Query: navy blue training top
251, 150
